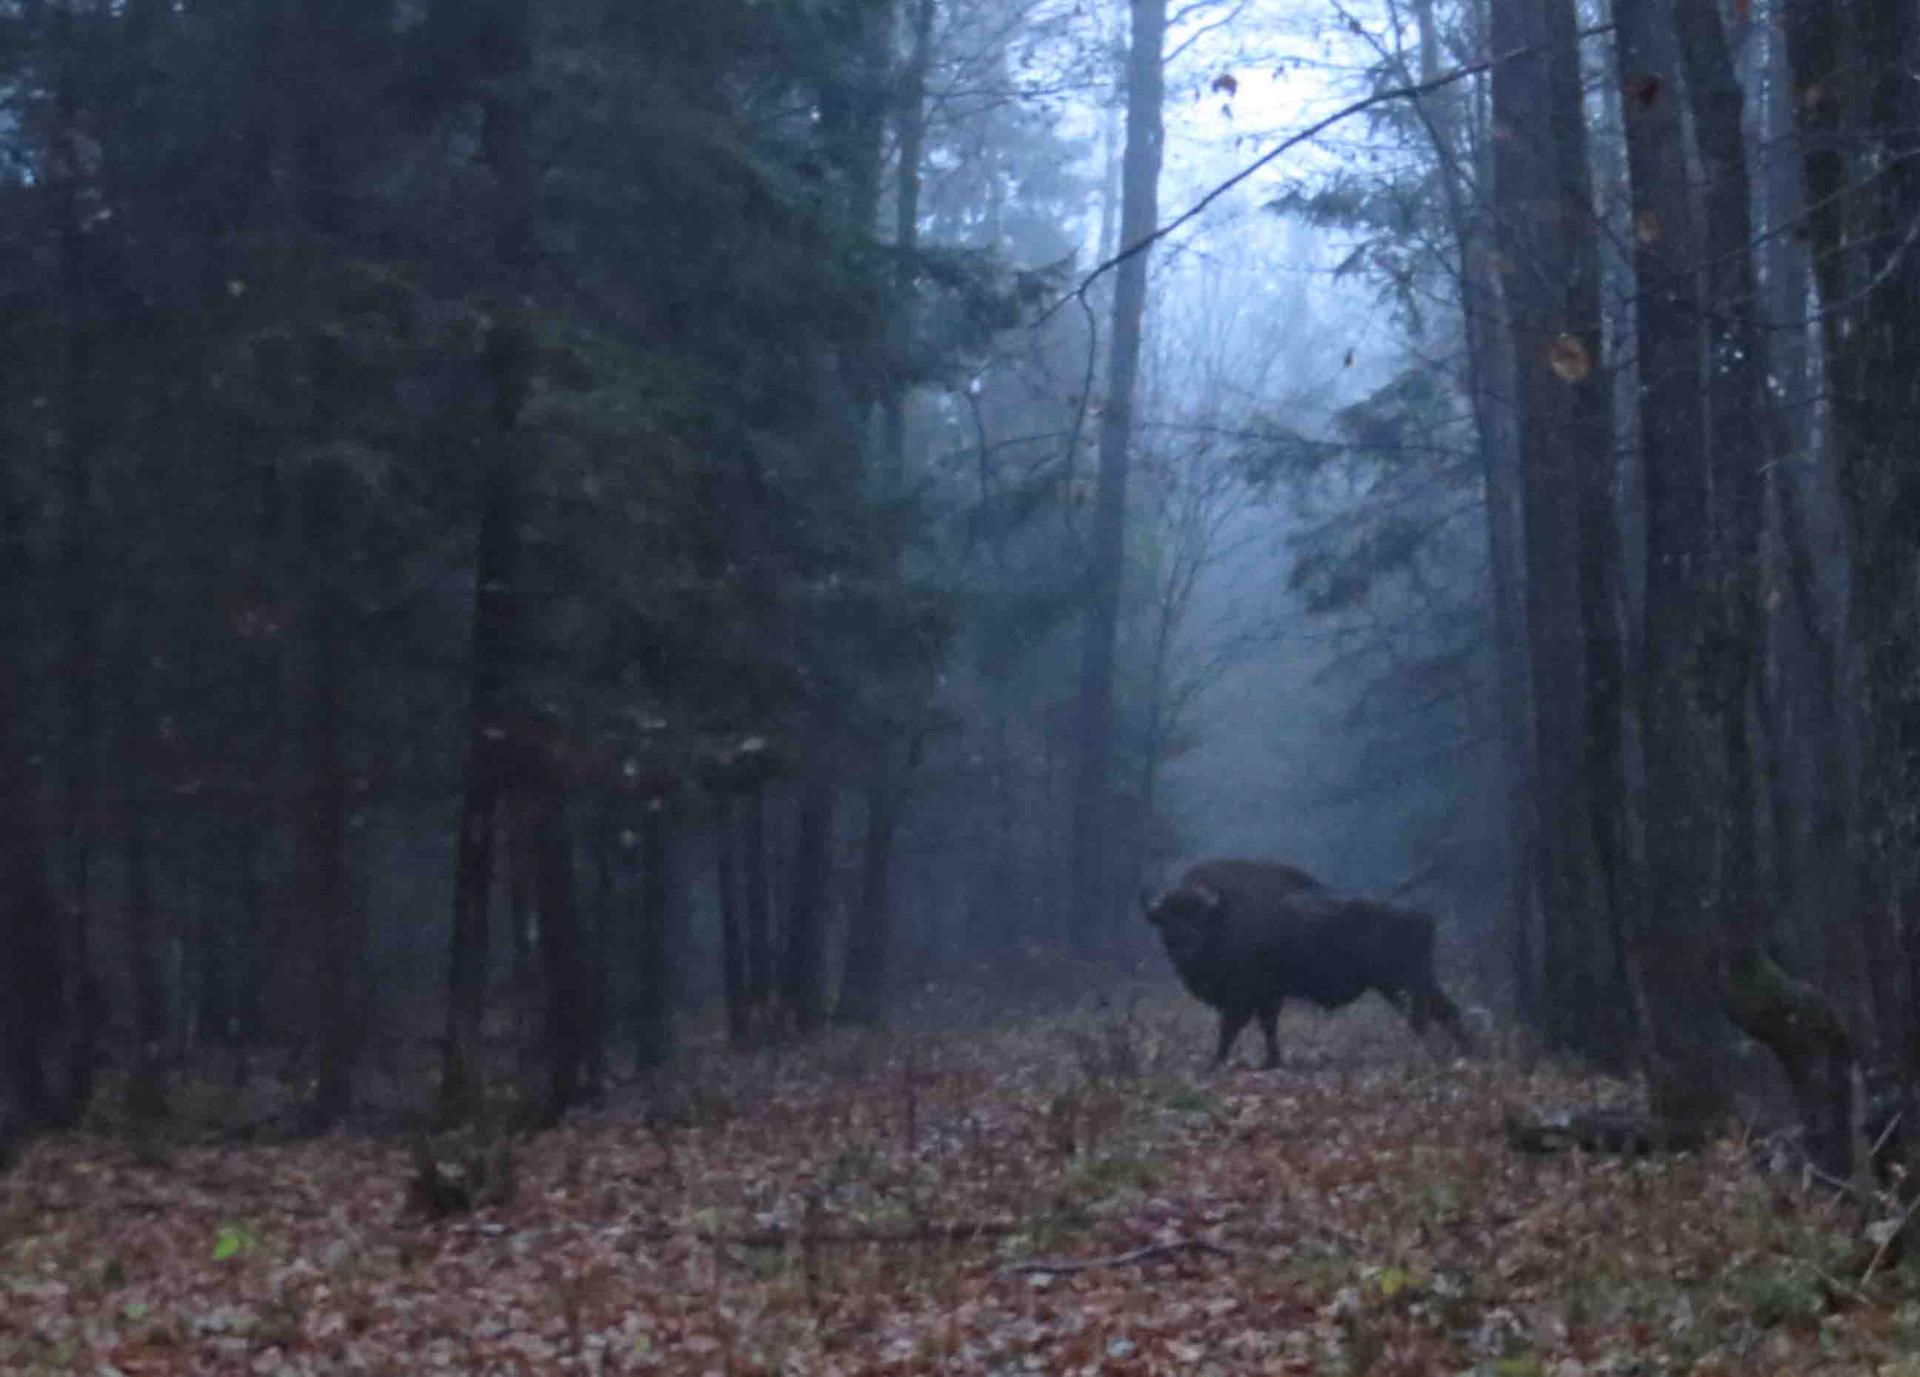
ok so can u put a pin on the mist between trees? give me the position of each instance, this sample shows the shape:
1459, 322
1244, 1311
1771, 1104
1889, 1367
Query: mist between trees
523, 523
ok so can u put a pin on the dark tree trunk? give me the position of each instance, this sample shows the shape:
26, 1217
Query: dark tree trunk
335, 922
606, 849
492, 752
568, 1025
1676, 942
30, 956
811, 894
733, 950
83, 434
1810, 667
1545, 233
869, 948
1860, 124
653, 984
31, 952
1738, 436
758, 905
520, 851
871, 935
1490, 384
146, 1087
488, 770
1093, 898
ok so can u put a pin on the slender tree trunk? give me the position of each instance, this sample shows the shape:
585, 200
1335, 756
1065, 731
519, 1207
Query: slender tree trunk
521, 854
146, 1087
1738, 438
1490, 387
733, 951
568, 1029
758, 907
82, 435
1544, 228
864, 982
606, 846
871, 936
1093, 897
653, 985
492, 753
811, 897
30, 954
1812, 671
334, 920
488, 769
1676, 943
1859, 113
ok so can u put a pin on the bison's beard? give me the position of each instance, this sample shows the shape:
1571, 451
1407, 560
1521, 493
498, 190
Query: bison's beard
1189, 943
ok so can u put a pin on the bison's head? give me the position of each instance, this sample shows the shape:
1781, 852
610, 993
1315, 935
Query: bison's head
1188, 918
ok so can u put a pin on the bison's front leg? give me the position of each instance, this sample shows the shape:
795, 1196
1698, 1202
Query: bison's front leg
1270, 1030
1443, 1011
1231, 1022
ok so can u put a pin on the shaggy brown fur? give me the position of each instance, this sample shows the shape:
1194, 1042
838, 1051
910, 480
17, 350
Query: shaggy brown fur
1245, 936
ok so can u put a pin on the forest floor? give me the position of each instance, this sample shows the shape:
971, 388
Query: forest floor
1051, 1195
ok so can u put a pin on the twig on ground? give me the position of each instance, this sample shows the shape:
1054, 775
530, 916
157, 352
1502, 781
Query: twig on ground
1153, 1252
1892, 1235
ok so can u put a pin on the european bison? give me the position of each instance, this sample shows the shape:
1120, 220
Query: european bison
1246, 936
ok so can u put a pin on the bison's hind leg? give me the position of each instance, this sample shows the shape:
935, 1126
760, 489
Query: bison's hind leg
1269, 1029
1231, 1022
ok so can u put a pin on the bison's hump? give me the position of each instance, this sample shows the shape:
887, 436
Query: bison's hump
1256, 880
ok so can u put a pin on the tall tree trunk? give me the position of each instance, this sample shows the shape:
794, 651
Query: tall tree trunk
1544, 227
146, 1085
869, 948
606, 850
870, 937
1675, 942
520, 852
1093, 898
1812, 670
30, 951
567, 1029
334, 920
28, 960
653, 984
1860, 123
733, 950
493, 755
1738, 438
488, 769
811, 898
758, 906
1490, 383
82, 436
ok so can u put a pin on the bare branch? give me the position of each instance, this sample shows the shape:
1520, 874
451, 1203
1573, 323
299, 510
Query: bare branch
1412, 91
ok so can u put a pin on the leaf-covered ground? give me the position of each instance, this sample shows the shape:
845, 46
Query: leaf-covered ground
1056, 1196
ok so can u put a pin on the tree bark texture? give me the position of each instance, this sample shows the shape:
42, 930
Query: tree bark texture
1675, 943
1860, 129
1545, 232
653, 986
811, 894
1092, 899
495, 754
733, 949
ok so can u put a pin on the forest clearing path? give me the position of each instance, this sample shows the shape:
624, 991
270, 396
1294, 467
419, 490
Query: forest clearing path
1056, 1195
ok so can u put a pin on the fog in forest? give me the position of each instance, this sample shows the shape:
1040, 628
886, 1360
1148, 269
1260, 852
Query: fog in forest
559, 558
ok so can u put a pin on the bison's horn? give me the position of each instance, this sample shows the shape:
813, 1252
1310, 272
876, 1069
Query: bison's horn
1208, 895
